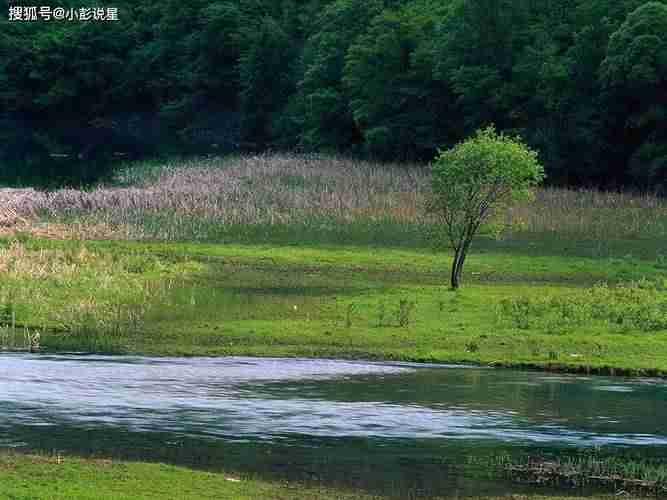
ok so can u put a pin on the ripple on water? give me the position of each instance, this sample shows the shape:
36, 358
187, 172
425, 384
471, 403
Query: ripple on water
227, 398
615, 388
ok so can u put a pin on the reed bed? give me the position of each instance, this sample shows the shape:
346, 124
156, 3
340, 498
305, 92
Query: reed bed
80, 298
591, 214
252, 197
625, 474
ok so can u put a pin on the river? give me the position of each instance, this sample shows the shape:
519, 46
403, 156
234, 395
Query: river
385, 427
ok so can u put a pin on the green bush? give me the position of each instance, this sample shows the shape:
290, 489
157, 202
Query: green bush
640, 305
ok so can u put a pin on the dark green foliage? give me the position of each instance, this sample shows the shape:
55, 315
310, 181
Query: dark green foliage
474, 56
582, 81
394, 100
265, 78
635, 77
326, 119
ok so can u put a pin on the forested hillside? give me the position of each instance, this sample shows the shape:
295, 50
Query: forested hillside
582, 81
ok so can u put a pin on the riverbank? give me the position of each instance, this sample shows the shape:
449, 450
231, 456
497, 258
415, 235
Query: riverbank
516, 309
56, 477
316, 256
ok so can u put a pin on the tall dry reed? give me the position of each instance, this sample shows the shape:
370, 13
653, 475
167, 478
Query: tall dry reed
189, 199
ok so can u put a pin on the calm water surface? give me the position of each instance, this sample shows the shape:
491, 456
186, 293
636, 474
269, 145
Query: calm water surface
382, 426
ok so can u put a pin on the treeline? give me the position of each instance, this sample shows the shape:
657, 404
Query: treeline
582, 81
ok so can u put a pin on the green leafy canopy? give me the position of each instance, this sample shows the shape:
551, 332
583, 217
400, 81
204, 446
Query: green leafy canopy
484, 171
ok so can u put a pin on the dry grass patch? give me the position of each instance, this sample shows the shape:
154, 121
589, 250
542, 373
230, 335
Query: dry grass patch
18, 262
63, 231
254, 196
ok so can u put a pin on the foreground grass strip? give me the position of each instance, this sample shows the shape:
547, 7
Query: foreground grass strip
52, 478
35, 477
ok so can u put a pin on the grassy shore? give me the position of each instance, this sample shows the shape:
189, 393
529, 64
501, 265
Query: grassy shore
36, 477
210, 299
54, 477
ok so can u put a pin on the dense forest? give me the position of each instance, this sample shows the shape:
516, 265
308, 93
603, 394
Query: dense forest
582, 81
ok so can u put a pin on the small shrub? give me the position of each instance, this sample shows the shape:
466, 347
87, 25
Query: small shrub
640, 305
348, 315
381, 314
139, 264
404, 311
661, 261
7, 313
472, 347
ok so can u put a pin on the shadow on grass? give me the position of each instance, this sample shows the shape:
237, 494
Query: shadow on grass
562, 246
294, 291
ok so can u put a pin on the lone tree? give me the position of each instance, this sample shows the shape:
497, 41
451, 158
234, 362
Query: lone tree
475, 179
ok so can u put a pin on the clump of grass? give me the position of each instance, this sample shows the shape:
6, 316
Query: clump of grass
381, 314
472, 347
587, 469
349, 310
77, 298
405, 309
639, 305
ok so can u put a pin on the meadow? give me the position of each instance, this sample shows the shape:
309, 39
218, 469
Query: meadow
321, 256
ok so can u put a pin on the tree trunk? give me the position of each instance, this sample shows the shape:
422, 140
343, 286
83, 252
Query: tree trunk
455, 270
462, 257
457, 265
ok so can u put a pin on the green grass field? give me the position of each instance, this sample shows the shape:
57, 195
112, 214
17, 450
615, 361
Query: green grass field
379, 303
